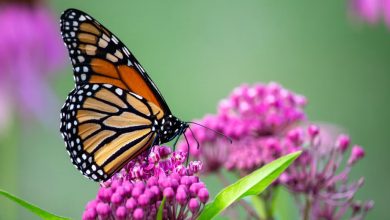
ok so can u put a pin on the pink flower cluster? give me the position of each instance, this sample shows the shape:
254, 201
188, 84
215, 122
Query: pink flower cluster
252, 116
267, 122
371, 11
137, 191
30, 52
160, 160
319, 175
262, 109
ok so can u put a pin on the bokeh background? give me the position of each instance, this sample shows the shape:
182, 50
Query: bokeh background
197, 52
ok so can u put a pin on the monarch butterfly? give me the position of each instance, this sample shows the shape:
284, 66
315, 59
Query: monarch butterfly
115, 112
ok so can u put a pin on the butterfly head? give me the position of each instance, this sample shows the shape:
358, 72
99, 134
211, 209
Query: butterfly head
169, 127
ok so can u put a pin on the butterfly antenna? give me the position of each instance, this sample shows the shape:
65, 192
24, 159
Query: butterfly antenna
193, 135
217, 132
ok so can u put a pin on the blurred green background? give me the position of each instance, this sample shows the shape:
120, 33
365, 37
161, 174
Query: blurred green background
197, 52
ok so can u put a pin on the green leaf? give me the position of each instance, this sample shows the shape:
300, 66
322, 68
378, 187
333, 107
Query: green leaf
161, 210
38, 211
252, 184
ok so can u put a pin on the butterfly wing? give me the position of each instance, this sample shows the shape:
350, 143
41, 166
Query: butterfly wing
98, 56
109, 118
104, 127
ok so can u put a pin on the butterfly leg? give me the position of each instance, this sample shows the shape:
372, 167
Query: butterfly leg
188, 148
177, 139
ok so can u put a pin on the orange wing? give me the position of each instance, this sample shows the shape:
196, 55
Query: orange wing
100, 57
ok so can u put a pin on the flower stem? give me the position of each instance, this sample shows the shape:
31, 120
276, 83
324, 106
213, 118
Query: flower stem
306, 211
267, 198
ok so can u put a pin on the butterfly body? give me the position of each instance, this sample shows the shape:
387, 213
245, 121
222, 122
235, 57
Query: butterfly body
115, 112
168, 128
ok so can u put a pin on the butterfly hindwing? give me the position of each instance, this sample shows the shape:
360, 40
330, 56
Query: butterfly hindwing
104, 127
99, 57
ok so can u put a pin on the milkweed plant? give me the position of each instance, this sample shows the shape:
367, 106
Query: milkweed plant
274, 146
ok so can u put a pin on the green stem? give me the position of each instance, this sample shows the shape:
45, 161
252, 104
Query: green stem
267, 197
306, 211
268, 211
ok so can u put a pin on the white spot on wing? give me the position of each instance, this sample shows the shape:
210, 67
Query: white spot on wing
81, 59
115, 40
126, 51
140, 68
136, 95
119, 91
82, 18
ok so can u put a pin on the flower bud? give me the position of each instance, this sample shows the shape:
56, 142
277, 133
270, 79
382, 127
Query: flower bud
89, 214
138, 213
342, 142
203, 195
131, 204
356, 154
116, 198
193, 205
164, 151
121, 212
127, 187
143, 200
152, 181
181, 195
137, 190
102, 209
169, 193
296, 136
313, 131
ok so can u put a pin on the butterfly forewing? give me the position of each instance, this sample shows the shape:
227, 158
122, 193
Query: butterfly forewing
104, 127
98, 56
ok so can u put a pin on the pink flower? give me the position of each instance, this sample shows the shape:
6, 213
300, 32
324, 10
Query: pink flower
137, 191
262, 121
252, 116
319, 174
30, 50
371, 11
